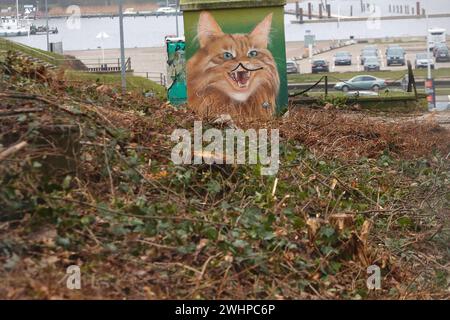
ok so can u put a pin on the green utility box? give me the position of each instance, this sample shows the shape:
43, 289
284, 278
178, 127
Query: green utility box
176, 70
236, 56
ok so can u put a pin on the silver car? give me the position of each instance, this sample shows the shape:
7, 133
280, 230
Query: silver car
372, 64
422, 60
292, 67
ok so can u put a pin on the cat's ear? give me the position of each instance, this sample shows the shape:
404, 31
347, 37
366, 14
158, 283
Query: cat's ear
208, 28
262, 31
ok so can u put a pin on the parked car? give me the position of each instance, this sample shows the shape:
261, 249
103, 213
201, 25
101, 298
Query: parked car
292, 67
320, 66
372, 64
361, 83
396, 55
442, 55
438, 46
343, 58
370, 52
422, 60
371, 47
392, 46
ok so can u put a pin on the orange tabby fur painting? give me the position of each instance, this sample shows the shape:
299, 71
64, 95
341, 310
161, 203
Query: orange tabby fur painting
233, 74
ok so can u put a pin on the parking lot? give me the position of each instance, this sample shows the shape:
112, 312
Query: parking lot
411, 48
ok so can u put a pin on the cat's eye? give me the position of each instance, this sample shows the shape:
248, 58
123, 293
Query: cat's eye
228, 56
253, 53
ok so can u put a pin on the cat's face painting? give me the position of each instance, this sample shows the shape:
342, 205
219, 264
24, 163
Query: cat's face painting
237, 66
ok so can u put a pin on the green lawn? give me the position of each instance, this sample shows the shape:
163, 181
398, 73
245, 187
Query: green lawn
49, 57
133, 82
389, 75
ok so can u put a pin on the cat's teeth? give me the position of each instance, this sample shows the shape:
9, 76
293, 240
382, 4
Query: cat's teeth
240, 77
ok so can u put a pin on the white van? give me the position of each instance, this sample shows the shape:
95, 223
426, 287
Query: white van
436, 36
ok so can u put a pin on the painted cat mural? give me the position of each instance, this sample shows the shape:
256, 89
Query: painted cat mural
233, 74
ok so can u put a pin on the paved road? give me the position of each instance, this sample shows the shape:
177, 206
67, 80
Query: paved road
355, 50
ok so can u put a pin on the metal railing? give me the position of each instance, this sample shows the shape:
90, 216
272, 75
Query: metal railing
407, 82
107, 65
157, 77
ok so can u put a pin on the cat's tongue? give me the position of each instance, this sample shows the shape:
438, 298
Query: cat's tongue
242, 77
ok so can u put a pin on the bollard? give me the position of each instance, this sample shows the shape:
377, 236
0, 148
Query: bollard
297, 10
309, 10
329, 10
320, 12
236, 57
301, 15
418, 8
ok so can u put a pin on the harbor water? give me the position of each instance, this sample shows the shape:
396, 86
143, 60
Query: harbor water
142, 32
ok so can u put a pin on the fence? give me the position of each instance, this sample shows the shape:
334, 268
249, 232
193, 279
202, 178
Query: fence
106, 65
157, 77
407, 82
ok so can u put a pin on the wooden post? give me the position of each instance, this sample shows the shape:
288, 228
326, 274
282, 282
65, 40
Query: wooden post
326, 86
309, 10
412, 80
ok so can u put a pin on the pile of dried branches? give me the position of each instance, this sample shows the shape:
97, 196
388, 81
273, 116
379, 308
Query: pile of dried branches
85, 179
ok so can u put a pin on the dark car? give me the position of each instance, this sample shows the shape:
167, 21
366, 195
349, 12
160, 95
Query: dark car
442, 55
437, 47
396, 56
320, 66
343, 58
291, 67
392, 46
368, 52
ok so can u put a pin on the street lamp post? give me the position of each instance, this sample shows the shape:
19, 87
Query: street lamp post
430, 85
176, 15
122, 48
428, 47
46, 25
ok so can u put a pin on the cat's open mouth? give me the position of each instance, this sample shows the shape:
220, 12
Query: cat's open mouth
240, 77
